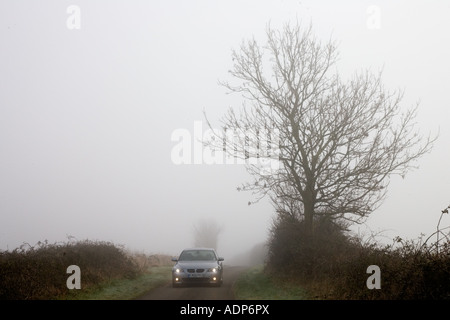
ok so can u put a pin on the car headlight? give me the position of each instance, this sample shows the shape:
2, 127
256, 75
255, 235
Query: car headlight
213, 270
178, 270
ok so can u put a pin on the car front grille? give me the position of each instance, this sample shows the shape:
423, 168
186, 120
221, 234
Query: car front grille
195, 270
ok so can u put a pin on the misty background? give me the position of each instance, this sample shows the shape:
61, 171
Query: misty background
89, 100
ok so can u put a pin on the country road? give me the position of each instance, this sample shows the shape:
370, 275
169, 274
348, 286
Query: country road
224, 292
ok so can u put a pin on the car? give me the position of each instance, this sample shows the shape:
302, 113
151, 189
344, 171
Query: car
197, 266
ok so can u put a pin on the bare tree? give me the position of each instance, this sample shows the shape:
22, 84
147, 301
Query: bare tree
206, 233
339, 141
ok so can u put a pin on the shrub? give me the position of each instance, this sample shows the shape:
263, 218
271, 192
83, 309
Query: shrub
333, 265
296, 252
39, 272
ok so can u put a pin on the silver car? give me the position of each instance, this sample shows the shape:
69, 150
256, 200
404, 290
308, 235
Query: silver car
197, 266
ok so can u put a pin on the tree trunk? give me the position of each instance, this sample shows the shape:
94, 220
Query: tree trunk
309, 214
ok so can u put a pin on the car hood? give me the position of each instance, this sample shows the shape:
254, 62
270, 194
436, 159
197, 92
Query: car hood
197, 264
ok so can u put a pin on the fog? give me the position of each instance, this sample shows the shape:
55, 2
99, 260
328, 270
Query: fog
91, 93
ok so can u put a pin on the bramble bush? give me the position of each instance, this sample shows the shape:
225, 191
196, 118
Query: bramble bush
332, 264
40, 271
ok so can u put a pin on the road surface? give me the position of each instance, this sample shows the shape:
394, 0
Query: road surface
224, 292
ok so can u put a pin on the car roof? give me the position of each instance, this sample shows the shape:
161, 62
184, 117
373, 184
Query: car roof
199, 248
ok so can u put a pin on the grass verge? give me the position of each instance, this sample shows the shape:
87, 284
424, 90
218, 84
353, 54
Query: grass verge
125, 289
255, 284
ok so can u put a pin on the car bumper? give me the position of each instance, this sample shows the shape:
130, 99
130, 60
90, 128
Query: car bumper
204, 278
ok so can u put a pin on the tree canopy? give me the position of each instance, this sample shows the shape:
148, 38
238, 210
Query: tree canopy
338, 141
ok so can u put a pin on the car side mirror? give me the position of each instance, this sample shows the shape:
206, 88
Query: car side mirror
221, 259
174, 259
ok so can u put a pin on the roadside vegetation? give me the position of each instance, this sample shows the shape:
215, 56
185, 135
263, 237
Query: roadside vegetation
328, 264
331, 264
125, 288
107, 271
256, 284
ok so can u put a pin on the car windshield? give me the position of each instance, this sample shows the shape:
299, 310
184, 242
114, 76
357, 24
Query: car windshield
197, 255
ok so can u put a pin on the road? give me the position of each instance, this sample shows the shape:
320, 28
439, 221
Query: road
224, 292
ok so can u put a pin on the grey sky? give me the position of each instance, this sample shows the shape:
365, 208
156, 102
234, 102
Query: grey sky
86, 115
